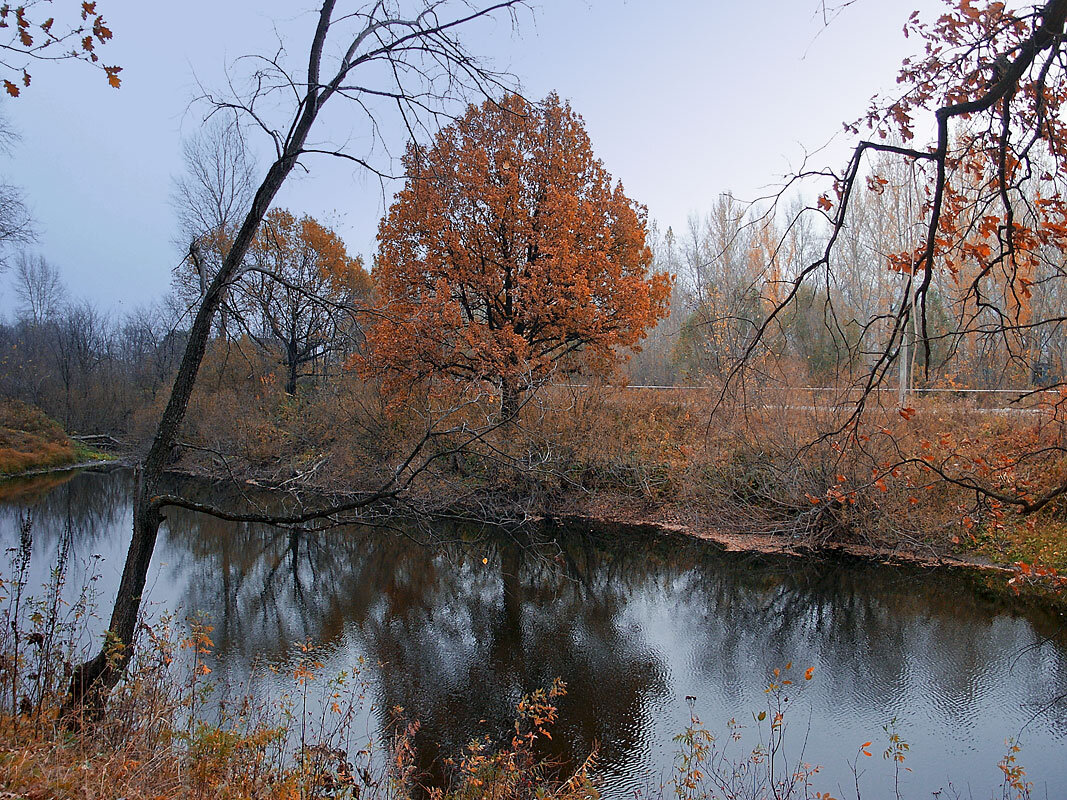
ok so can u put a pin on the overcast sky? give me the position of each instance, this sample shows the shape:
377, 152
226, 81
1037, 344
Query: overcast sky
683, 100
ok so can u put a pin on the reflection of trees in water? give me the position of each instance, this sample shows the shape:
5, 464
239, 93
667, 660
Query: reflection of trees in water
881, 636
88, 503
459, 641
76, 512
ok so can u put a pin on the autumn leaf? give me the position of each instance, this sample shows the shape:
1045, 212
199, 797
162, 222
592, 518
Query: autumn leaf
521, 255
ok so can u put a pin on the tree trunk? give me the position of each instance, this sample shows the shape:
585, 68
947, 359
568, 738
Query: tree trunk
292, 361
510, 398
94, 679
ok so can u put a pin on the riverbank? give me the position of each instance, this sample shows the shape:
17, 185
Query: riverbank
619, 519
776, 471
627, 617
31, 442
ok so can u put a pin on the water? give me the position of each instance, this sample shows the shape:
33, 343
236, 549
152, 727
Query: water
632, 624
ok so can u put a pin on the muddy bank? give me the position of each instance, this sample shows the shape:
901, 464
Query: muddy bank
772, 544
619, 516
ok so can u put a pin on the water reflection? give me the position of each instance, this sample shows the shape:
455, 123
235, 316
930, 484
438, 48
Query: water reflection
456, 634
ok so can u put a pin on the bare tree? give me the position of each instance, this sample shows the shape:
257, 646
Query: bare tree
39, 287
209, 199
219, 181
411, 57
78, 334
16, 223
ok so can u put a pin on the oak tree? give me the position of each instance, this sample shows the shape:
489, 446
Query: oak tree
301, 289
508, 250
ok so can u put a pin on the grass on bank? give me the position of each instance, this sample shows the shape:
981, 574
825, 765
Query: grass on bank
774, 461
31, 440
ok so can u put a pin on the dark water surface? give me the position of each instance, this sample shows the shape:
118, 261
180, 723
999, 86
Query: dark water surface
633, 625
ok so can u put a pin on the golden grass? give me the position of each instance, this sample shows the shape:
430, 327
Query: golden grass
774, 461
29, 439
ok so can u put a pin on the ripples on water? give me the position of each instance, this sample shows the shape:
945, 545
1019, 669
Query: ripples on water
632, 625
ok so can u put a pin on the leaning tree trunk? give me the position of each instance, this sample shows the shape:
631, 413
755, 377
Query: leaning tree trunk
93, 680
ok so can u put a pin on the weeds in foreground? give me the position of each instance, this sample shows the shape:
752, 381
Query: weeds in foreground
773, 767
173, 730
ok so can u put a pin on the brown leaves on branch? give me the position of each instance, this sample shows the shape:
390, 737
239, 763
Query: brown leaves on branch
508, 253
31, 38
996, 197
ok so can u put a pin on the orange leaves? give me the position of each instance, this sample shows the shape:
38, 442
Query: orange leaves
824, 203
907, 413
876, 184
75, 39
517, 256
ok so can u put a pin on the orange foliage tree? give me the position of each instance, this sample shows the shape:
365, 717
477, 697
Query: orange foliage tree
301, 289
508, 251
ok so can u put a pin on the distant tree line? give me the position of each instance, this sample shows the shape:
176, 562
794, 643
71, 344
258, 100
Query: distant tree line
737, 262
89, 369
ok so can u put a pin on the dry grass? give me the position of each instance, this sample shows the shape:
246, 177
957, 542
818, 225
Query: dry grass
29, 439
776, 461
787, 464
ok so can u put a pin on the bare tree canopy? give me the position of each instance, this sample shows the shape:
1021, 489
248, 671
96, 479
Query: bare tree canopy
39, 287
16, 223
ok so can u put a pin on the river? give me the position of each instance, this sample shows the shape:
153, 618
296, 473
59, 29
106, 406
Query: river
456, 632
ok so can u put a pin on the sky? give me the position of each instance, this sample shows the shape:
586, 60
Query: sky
683, 100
